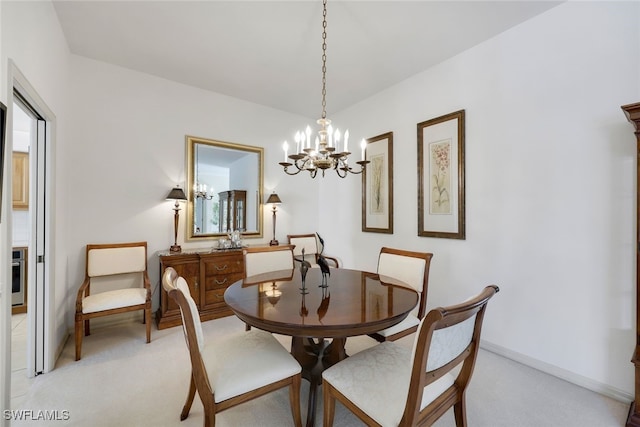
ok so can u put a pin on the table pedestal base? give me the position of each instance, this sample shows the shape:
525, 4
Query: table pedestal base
315, 356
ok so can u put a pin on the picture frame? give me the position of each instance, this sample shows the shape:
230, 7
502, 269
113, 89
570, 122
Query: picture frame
377, 185
3, 138
441, 176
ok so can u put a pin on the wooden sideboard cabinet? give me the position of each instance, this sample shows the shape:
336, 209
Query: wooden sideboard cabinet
208, 274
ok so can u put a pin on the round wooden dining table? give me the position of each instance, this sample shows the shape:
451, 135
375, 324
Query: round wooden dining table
342, 304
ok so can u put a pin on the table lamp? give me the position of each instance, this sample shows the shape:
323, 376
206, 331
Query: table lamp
274, 200
178, 195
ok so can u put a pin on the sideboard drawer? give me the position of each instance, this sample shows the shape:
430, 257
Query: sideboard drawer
208, 274
221, 265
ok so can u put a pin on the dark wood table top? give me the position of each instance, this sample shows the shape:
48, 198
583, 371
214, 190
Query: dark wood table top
354, 303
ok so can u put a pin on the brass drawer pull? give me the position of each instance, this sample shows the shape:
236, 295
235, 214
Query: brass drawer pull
218, 282
224, 267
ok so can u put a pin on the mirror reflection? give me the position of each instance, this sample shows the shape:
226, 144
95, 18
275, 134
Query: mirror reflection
225, 189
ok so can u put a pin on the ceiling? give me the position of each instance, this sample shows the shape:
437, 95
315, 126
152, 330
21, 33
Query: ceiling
269, 52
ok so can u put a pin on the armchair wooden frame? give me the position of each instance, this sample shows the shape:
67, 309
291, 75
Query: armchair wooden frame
303, 241
422, 303
200, 378
82, 318
421, 376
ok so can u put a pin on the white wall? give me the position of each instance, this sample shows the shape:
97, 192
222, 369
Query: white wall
127, 148
31, 37
550, 193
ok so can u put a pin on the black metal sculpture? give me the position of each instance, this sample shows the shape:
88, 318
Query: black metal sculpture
322, 263
321, 240
304, 267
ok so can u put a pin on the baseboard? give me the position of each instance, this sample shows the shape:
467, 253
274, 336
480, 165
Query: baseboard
547, 368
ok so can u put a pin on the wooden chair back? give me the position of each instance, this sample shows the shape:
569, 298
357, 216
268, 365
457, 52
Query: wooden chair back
447, 338
311, 246
437, 371
409, 267
264, 259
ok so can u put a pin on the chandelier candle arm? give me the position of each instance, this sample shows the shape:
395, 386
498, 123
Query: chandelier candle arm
326, 154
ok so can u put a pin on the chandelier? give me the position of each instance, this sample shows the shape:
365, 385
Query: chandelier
328, 151
200, 192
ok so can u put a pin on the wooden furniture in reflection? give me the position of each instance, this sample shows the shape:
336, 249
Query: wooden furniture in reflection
413, 387
116, 281
20, 180
354, 303
24, 278
232, 205
242, 366
208, 274
632, 111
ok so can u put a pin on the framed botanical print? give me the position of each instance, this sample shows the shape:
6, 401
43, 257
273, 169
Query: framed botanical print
441, 198
377, 185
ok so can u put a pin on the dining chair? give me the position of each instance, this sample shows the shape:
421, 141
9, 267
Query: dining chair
265, 259
392, 385
234, 369
411, 268
313, 247
115, 281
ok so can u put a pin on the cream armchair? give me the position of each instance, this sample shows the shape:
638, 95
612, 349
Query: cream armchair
116, 281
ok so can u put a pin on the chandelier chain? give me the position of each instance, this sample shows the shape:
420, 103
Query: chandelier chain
330, 150
324, 59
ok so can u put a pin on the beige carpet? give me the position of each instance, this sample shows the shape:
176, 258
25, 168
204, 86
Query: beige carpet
121, 381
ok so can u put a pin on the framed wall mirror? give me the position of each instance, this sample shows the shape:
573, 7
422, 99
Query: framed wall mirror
224, 182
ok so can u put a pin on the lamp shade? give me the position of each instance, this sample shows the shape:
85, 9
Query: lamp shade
176, 193
273, 198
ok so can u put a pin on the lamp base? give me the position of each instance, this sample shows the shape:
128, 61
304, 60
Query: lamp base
274, 242
175, 248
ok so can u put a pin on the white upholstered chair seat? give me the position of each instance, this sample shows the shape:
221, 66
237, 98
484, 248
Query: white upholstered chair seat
245, 362
377, 379
409, 322
113, 299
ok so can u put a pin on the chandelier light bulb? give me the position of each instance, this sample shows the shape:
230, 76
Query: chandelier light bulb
346, 141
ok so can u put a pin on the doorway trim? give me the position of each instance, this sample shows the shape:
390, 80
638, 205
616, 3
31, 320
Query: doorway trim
44, 298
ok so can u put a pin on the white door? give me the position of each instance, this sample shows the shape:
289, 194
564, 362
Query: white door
36, 281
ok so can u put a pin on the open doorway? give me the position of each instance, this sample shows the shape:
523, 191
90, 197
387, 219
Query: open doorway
30, 223
23, 123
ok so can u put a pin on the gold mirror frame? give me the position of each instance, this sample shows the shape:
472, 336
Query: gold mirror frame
253, 196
